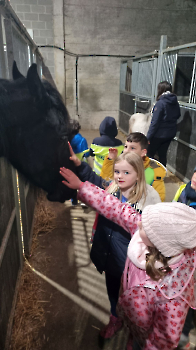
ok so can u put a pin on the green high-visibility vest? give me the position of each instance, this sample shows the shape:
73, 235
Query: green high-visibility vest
100, 152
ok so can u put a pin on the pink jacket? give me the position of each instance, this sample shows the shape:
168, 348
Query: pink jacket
109, 206
154, 311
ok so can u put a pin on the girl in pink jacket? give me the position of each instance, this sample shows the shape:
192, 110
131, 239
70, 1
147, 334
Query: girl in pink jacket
157, 284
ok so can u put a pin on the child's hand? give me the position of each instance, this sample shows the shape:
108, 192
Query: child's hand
113, 152
72, 181
73, 157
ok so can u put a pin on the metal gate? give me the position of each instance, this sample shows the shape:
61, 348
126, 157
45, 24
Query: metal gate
142, 88
15, 43
176, 65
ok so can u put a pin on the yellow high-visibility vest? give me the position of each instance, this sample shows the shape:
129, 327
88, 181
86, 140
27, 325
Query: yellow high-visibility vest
100, 152
178, 193
81, 155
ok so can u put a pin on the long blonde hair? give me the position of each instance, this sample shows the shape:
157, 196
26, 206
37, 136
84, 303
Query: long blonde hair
151, 258
139, 190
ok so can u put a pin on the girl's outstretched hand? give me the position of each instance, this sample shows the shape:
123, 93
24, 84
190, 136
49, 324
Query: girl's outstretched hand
73, 157
113, 153
72, 181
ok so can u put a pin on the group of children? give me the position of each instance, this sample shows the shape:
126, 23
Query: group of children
146, 248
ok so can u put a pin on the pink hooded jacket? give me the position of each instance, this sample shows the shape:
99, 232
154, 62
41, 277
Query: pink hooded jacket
154, 311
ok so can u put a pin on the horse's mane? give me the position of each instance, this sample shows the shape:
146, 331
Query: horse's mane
53, 93
52, 108
58, 104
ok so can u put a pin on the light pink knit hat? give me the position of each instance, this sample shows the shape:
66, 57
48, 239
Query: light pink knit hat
171, 227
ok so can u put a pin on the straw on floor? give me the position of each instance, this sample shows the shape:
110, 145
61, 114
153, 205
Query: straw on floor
29, 313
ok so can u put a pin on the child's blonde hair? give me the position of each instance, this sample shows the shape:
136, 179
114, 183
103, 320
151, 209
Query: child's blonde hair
151, 258
139, 190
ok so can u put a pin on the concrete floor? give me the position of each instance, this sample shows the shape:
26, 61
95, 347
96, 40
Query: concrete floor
78, 307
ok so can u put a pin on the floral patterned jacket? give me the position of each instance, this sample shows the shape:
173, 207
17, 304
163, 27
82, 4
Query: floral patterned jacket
154, 311
175, 283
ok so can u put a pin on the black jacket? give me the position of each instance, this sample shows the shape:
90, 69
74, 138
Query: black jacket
188, 196
164, 119
108, 132
109, 249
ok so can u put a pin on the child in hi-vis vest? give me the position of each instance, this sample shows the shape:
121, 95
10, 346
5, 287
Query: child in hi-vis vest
155, 172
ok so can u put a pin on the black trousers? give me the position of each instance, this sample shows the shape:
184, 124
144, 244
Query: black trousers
113, 287
159, 146
189, 324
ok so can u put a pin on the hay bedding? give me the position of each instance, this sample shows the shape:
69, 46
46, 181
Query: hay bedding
29, 313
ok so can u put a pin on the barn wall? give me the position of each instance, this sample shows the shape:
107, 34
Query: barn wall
104, 27
59, 35
44, 18
114, 27
37, 16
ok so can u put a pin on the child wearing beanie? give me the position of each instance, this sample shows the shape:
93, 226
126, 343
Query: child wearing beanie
187, 194
157, 284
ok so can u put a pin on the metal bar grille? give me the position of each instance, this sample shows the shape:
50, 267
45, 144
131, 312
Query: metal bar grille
14, 41
20, 48
142, 77
2, 53
39, 65
193, 84
169, 67
134, 80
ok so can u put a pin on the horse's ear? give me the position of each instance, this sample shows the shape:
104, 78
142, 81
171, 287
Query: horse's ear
34, 82
36, 87
15, 72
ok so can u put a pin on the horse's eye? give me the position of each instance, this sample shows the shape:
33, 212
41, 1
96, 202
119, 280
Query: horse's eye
63, 137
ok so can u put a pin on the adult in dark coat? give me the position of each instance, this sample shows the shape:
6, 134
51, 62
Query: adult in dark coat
163, 126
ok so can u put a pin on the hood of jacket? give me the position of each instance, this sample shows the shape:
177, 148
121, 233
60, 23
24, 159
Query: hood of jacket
169, 98
159, 169
76, 139
108, 127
